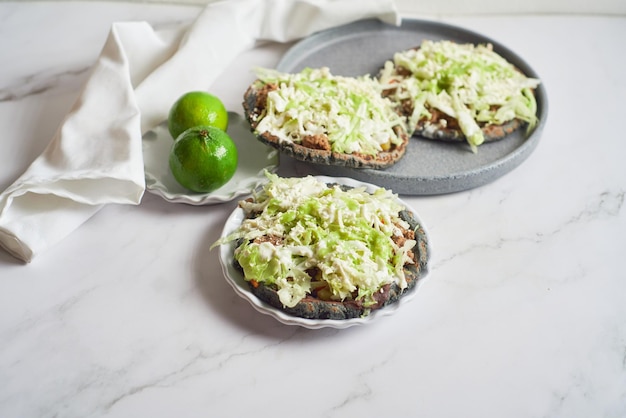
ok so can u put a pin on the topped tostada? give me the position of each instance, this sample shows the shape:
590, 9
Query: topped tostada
459, 92
327, 251
319, 117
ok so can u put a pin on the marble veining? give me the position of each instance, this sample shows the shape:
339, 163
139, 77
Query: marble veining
522, 315
41, 83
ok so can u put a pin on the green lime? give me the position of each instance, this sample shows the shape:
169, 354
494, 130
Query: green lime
203, 158
196, 108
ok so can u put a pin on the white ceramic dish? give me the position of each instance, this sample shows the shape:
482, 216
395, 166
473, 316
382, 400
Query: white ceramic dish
236, 279
254, 158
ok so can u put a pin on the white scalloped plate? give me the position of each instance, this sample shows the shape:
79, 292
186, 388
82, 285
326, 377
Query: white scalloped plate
254, 158
238, 283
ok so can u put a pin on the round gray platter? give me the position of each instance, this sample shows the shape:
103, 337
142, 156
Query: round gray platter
428, 167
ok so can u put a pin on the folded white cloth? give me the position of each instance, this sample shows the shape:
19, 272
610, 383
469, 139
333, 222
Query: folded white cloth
96, 156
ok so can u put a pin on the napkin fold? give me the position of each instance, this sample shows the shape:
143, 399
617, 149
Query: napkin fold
95, 158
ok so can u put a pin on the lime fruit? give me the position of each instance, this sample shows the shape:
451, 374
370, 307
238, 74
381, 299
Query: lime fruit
203, 158
196, 108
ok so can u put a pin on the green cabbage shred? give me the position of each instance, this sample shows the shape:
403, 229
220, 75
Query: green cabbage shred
350, 111
471, 83
345, 234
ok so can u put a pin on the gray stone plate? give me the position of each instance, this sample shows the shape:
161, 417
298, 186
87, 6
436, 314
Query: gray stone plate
428, 167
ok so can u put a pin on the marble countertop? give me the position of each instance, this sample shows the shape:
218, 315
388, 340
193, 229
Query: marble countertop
522, 315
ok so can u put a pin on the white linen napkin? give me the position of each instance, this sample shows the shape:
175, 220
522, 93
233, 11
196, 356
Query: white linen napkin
96, 158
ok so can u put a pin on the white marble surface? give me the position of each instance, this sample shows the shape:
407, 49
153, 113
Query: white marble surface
523, 314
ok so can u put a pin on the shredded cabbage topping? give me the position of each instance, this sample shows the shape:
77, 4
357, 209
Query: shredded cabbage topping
300, 224
350, 111
470, 83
